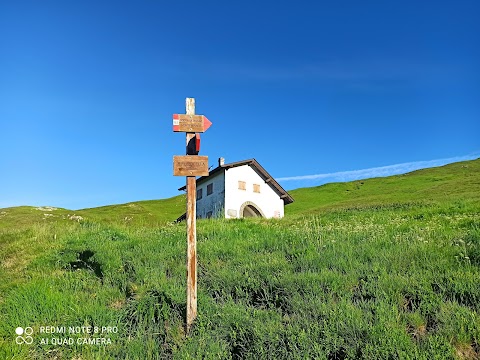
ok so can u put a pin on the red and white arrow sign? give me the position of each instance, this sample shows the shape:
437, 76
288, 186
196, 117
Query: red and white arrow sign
190, 123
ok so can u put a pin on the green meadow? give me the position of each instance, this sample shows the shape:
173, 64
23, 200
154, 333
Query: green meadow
385, 268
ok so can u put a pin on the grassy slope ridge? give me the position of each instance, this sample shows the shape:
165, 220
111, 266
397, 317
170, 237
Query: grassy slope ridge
150, 212
139, 213
457, 180
376, 269
439, 184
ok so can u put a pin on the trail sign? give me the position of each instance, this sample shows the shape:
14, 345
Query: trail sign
190, 123
190, 165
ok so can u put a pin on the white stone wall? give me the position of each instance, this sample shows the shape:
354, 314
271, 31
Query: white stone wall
214, 202
268, 201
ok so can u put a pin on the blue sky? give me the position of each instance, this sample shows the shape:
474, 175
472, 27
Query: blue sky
88, 89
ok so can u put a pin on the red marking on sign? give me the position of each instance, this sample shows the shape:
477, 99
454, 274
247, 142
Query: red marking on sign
176, 123
206, 123
197, 143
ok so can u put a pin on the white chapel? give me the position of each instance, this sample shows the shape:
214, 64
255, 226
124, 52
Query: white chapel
240, 189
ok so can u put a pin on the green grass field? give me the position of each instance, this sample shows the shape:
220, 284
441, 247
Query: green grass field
385, 268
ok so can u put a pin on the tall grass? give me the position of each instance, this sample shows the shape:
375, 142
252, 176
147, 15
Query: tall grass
391, 282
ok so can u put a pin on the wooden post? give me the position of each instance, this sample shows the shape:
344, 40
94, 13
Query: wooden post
191, 232
191, 165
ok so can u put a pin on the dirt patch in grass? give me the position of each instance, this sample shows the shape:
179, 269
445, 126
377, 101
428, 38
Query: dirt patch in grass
467, 351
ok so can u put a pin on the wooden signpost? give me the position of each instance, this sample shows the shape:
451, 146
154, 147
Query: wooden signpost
191, 165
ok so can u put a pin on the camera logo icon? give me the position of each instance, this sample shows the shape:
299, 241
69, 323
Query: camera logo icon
24, 335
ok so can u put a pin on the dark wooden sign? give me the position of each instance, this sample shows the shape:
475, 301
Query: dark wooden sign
190, 123
193, 145
190, 165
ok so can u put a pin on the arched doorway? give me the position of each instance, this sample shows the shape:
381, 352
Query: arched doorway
249, 209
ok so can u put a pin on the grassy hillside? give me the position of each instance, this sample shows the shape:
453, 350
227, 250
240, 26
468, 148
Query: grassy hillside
152, 213
449, 182
140, 213
380, 271
455, 181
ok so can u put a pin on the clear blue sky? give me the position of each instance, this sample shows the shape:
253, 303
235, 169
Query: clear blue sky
88, 89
